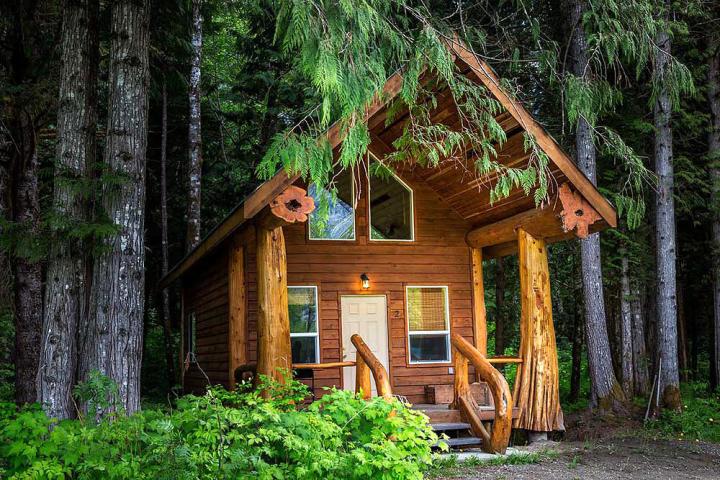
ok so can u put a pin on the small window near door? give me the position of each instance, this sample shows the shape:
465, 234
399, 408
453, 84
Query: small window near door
191, 333
334, 218
428, 324
303, 311
391, 206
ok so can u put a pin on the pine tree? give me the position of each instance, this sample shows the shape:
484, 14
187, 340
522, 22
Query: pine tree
713, 93
113, 341
66, 285
194, 132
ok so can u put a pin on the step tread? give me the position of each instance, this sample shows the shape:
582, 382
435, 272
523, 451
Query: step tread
461, 442
445, 426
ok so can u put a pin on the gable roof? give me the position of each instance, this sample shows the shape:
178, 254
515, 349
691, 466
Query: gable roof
515, 120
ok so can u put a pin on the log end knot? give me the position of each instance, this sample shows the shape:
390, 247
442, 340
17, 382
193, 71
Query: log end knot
292, 205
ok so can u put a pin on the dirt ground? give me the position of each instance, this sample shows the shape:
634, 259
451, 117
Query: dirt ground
612, 458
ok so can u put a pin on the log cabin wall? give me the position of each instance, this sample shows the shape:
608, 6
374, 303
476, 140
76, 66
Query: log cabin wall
205, 289
438, 256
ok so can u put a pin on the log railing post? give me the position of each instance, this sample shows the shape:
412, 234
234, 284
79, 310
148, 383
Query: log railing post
537, 381
478, 299
365, 359
497, 440
362, 378
274, 350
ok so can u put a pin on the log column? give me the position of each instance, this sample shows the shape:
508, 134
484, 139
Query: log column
537, 384
237, 330
478, 298
273, 329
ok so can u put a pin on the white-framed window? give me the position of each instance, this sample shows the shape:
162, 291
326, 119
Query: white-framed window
334, 217
303, 312
390, 205
191, 333
428, 314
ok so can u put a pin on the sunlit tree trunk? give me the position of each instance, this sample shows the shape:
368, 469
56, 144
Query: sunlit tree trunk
640, 360
65, 289
626, 348
667, 341
606, 390
714, 156
113, 344
194, 132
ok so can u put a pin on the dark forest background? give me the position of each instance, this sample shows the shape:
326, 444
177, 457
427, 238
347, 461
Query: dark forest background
251, 90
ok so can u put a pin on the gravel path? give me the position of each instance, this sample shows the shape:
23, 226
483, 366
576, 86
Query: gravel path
612, 458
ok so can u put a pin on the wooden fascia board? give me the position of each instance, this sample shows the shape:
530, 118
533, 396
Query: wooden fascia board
488, 79
268, 190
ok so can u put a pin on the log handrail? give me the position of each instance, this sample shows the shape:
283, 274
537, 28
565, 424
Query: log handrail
368, 363
497, 440
321, 366
501, 360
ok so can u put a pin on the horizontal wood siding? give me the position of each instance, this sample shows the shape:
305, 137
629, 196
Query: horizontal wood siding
438, 256
206, 294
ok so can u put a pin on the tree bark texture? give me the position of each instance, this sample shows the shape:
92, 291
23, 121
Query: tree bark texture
667, 341
167, 327
714, 157
537, 387
626, 347
194, 132
28, 272
605, 387
65, 288
113, 344
641, 377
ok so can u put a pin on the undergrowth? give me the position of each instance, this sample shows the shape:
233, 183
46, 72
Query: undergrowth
224, 435
698, 420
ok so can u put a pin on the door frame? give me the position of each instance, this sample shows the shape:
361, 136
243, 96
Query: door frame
354, 293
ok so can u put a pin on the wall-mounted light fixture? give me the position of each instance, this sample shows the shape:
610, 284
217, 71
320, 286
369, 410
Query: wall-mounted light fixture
365, 280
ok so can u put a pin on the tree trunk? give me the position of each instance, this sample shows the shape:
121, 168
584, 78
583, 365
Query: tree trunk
714, 156
626, 347
167, 327
28, 272
500, 320
576, 369
606, 390
66, 283
669, 383
113, 344
640, 360
194, 132
682, 332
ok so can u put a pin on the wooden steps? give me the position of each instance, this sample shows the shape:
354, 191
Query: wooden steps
462, 442
444, 414
444, 427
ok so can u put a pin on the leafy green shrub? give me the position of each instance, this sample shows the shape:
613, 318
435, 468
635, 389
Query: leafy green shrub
224, 435
699, 419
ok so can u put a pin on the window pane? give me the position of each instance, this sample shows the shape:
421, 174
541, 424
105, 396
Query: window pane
426, 308
429, 348
390, 208
340, 224
303, 349
302, 306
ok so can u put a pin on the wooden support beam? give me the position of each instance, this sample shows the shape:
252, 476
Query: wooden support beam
537, 383
478, 299
274, 350
541, 222
237, 313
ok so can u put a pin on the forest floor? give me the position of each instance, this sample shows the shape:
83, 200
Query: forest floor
601, 453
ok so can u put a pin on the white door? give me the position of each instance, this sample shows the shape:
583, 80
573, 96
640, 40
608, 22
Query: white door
365, 315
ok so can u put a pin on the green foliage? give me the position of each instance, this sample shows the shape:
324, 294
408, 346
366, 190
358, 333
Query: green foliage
7, 369
348, 50
224, 435
698, 419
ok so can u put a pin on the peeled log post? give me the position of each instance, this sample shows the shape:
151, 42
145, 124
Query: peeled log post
274, 350
537, 384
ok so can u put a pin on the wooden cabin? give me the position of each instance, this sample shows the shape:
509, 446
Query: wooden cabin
396, 275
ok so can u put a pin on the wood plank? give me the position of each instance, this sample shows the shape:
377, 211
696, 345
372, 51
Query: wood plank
237, 315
